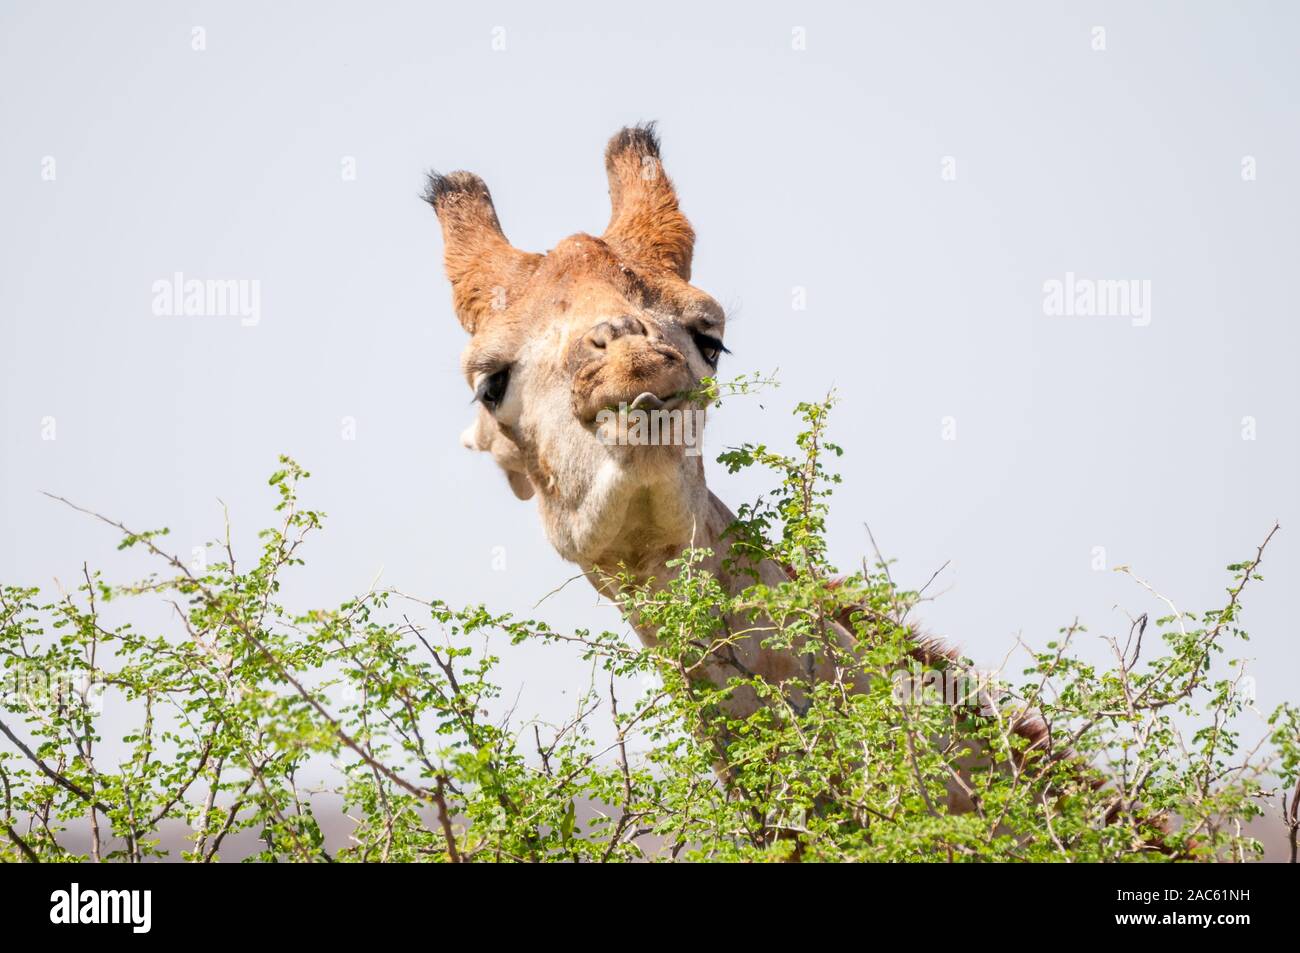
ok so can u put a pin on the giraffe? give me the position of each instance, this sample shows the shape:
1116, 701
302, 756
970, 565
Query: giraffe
598, 322
558, 338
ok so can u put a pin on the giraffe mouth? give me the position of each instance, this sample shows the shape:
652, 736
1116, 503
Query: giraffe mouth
651, 420
650, 401
647, 401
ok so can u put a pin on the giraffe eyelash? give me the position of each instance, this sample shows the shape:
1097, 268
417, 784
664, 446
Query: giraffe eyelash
710, 348
491, 390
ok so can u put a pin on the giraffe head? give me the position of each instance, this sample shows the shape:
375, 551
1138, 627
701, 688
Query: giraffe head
561, 342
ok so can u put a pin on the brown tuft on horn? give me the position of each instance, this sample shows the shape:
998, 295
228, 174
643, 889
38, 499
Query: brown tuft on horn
645, 224
484, 268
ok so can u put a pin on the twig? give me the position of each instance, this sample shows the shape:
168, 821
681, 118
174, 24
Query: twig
31, 854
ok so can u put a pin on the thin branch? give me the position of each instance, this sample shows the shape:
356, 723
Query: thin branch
22, 845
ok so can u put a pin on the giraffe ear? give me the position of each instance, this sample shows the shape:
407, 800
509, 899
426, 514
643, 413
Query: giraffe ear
486, 271
645, 223
484, 434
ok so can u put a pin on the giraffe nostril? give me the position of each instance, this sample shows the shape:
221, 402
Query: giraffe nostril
628, 324
606, 331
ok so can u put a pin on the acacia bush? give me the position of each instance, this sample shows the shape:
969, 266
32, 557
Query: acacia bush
1141, 761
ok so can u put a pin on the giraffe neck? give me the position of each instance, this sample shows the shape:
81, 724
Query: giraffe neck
745, 657
645, 553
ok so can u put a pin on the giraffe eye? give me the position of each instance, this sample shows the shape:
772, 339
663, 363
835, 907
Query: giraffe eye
710, 348
492, 389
